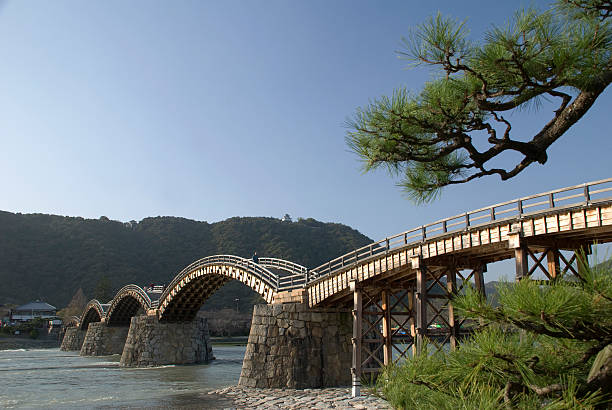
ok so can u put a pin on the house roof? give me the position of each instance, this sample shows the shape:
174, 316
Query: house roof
38, 305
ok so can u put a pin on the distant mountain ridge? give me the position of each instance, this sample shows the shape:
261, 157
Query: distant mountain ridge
50, 257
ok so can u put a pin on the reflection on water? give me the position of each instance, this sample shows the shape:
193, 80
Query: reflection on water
51, 378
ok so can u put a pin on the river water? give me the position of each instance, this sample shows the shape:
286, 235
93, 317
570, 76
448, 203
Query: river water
50, 378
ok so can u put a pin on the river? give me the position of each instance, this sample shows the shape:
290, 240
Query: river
50, 378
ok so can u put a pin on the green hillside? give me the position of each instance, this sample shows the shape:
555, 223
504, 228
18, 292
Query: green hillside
50, 257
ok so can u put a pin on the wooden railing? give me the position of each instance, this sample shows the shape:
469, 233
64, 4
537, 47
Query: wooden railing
576, 195
262, 273
299, 276
134, 288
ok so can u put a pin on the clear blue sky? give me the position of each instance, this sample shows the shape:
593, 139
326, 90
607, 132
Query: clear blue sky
208, 110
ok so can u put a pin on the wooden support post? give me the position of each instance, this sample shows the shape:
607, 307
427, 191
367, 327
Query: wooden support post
480, 285
357, 323
522, 265
515, 241
412, 320
451, 286
421, 303
479, 279
552, 256
386, 328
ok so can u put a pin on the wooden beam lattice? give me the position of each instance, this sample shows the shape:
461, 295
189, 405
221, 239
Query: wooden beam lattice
443, 313
403, 330
557, 264
372, 337
569, 265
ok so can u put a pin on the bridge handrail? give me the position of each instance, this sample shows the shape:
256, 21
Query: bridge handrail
264, 274
134, 288
291, 282
73, 321
463, 222
288, 266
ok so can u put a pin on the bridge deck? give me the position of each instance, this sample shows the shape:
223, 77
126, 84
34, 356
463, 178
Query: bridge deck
566, 228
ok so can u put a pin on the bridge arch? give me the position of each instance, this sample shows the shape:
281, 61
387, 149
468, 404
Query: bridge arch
128, 301
94, 312
73, 321
194, 284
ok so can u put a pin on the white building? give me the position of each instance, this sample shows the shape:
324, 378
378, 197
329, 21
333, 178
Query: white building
33, 310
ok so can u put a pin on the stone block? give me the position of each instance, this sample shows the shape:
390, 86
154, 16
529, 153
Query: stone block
299, 348
317, 317
73, 339
304, 316
150, 342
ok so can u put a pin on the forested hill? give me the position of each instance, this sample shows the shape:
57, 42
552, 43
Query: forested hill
50, 257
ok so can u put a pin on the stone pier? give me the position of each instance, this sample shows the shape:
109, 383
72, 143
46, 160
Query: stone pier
102, 340
73, 339
153, 343
293, 346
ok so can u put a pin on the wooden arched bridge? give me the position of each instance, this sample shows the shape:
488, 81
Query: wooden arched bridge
399, 288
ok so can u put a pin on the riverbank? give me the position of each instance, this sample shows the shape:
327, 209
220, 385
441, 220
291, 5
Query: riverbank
13, 343
328, 398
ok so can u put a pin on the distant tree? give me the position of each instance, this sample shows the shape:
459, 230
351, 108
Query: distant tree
103, 291
77, 250
75, 307
455, 129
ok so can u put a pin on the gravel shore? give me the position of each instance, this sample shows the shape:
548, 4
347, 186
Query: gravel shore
329, 398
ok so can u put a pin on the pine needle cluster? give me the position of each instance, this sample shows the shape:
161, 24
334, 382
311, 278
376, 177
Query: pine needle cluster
455, 129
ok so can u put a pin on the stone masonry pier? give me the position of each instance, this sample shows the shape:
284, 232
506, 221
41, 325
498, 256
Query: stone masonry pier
153, 343
293, 346
102, 340
73, 339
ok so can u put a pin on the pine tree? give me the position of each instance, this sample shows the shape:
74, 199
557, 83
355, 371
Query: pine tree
457, 127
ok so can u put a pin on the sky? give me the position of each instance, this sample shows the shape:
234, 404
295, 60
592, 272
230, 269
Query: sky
213, 109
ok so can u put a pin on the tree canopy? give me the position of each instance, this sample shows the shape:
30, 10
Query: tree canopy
457, 127
50, 257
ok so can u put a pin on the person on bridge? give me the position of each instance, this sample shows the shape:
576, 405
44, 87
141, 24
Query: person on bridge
255, 258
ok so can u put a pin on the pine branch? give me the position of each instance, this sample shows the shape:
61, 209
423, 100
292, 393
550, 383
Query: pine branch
546, 390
